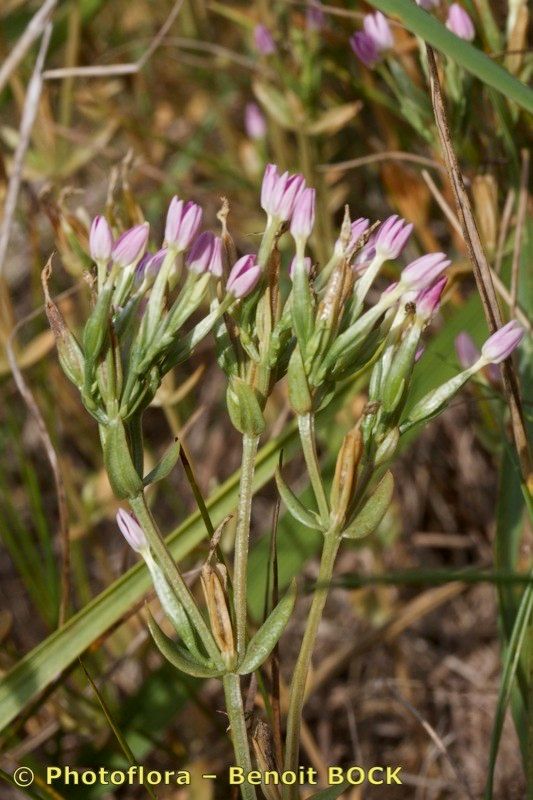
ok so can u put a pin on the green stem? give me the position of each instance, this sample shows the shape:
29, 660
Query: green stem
306, 426
242, 537
299, 676
239, 736
173, 575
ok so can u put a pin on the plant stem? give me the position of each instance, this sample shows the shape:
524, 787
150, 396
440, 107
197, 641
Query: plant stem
242, 536
239, 736
306, 426
299, 677
173, 575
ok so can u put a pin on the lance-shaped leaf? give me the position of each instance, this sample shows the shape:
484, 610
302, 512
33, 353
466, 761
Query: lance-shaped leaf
178, 656
373, 511
297, 509
266, 638
123, 477
165, 466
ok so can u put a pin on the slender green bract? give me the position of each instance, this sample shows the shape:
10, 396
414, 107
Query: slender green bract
434, 33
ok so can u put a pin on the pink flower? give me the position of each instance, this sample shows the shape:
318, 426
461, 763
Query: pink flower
314, 16
254, 121
501, 344
183, 221
279, 193
206, 254
303, 216
428, 300
424, 270
377, 27
263, 40
131, 245
460, 23
392, 236
131, 531
100, 239
365, 48
243, 277
467, 352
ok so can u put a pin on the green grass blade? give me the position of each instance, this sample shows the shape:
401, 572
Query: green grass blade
511, 662
466, 55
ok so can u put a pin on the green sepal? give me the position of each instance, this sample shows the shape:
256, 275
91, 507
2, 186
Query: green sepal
373, 511
295, 508
244, 408
435, 401
123, 477
299, 395
266, 638
165, 465
96, 327
178, 656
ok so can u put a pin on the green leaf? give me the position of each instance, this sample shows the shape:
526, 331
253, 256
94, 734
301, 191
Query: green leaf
510, 666
473, 60
165, 466
243, 407
264, 641
297, 509
373, 511
178, 656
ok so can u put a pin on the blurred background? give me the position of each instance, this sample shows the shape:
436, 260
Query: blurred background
135, 102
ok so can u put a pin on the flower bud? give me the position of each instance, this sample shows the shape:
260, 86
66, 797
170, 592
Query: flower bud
131, 531
424, 270
254, 121
130, 246
279, 193
206, 254
501, 344
100, 239
303, 217
392, 236
364, 48
460, 23
314, 16
263, 40
243, 277
466, 350
428, 300
377, 27
183, 221
387, 448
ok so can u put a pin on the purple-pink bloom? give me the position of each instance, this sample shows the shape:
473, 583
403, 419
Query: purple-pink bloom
377, 27
280, 192
244, 276
183, 221
460, 23
314, 16
303, 216
206, 254
419, 353
263, 40
466, 350
501, 344
254, 121
307, 264
428, 300
365, 48
131, 531
392, 236
100, 239
424, 270
130, 245
364, 257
